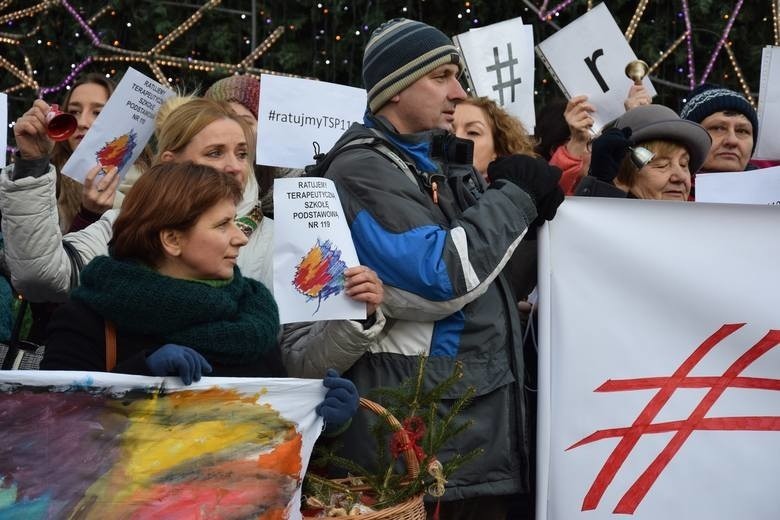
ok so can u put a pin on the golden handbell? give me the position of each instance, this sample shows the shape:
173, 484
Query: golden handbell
636, 71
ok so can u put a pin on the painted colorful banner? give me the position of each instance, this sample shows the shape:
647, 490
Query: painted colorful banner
124, 126
103, 446
659, 391
312, 249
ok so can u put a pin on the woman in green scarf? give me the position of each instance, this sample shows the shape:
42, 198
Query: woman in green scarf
171, 287
173, 295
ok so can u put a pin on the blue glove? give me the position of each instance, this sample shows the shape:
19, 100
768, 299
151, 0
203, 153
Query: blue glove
172, 359
341, 400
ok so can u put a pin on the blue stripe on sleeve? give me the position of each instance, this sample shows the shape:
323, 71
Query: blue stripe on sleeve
446, 335
411, 261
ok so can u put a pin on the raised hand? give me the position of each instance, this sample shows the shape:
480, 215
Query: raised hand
30, 132
637, 96
609, 149
578, 117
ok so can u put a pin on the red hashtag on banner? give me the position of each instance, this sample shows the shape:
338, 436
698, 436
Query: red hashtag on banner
643, 424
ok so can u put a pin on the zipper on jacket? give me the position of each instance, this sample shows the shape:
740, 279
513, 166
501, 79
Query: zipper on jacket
432, 181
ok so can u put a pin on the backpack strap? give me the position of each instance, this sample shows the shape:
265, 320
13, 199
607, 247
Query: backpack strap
374, 143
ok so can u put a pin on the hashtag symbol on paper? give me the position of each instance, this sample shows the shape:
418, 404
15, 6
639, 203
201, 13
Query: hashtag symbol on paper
498, 66
667, 386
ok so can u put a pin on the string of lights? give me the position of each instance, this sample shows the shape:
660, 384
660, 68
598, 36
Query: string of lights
153, 58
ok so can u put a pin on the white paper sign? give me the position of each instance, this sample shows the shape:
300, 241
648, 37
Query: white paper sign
312, 248
589, 56
296, 113
124, 126
768, 146
750, 187
659, 361
3, 129
500, 62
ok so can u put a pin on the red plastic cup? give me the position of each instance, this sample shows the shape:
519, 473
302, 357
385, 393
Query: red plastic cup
60, 125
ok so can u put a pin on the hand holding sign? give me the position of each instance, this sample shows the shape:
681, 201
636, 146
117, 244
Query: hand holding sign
589, 57
31, 133
124, 126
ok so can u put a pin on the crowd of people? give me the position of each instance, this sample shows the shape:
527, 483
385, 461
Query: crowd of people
443, 205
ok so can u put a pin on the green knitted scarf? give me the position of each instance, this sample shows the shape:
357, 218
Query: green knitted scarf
232, 324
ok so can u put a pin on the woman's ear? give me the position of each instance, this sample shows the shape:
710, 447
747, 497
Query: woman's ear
170, 240
167, 156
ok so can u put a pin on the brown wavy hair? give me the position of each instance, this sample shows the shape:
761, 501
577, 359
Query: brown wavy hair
170, 195
509, 135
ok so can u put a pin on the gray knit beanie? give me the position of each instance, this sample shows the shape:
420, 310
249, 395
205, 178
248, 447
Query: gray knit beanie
400, 52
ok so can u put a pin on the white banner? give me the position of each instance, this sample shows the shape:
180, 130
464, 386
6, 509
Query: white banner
301, 116
312, 248
589, 56
111, 446
659, 366
749, 187
3, 129
768, 146
500, 62
118, 135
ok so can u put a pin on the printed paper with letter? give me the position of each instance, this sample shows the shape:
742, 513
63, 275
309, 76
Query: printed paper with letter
312, 248
500, 62
589, 56
124, 126
301, 117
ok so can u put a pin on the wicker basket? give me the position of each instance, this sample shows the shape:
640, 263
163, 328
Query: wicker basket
411, 509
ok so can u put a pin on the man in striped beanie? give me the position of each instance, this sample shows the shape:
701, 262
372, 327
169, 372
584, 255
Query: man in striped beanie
730, 120
439, 238
411, 71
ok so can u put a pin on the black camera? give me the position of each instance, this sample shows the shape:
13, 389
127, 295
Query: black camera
451, 149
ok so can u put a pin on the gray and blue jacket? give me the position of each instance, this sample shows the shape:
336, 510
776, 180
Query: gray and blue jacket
439, 239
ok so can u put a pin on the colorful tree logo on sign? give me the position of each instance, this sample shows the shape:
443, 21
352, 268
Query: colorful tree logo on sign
118, 152
320, 273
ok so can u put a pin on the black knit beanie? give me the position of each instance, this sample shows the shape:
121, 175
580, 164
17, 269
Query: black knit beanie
707, 99
400, 52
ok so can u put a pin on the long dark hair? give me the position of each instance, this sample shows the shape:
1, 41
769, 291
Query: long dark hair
69, 190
